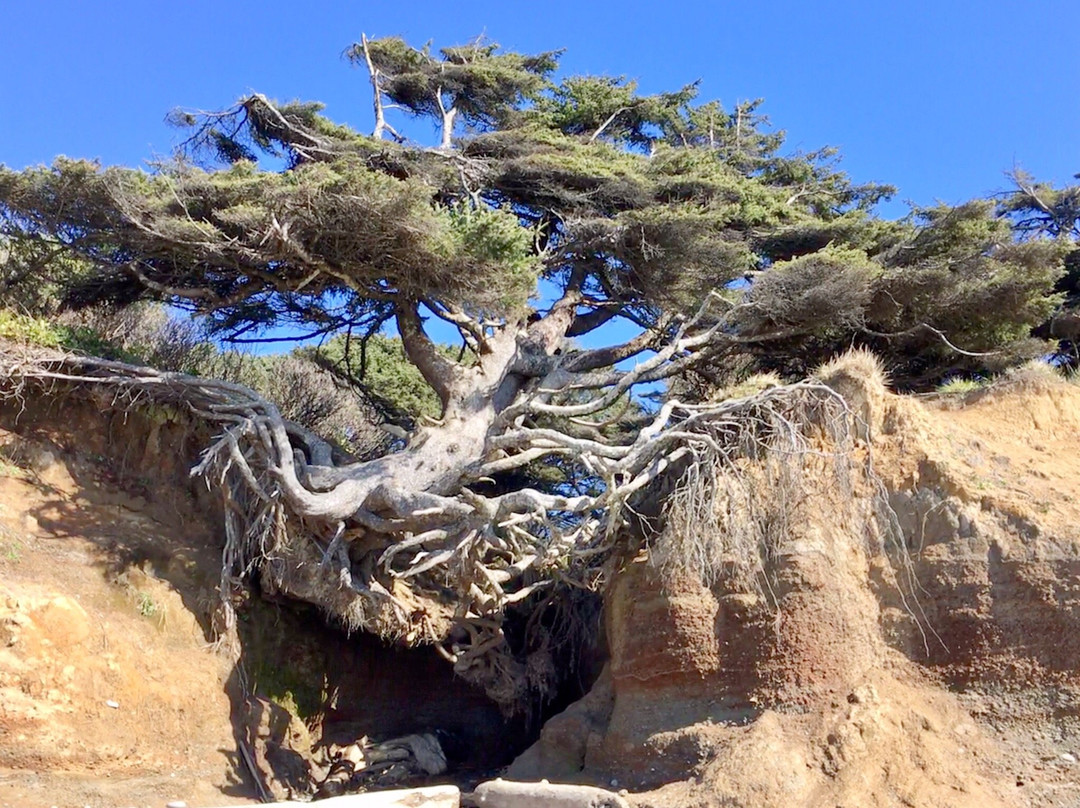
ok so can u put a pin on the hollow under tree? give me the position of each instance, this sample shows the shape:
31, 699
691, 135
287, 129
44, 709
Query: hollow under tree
550, 217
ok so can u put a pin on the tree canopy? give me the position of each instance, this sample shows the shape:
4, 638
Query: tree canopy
632, 204
550, 211
1038, 210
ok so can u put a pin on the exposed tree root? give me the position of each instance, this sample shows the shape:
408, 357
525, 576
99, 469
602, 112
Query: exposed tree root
384, 548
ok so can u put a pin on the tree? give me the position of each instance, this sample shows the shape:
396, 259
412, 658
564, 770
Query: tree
34, 274
674, 228
1039, 210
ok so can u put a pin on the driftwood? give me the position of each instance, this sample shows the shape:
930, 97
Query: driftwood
429, 797
508, 794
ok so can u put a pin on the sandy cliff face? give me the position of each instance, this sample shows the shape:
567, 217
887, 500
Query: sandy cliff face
988, 500
930, 660
941, 674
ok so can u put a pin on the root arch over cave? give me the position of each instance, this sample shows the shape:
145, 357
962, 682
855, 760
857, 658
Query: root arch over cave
301, 683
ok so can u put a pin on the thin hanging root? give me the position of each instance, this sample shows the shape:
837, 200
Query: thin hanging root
734, 506
729, 510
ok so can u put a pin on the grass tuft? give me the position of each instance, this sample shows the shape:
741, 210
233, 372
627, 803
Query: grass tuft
958, 386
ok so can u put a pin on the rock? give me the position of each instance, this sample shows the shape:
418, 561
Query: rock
36, 457
561, 750
62, 621
1067, 757
510, 794
114, 704
281, 748
176, 804
28, 454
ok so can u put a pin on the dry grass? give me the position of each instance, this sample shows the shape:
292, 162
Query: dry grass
749, 386
860, 378
961, 387
858, 363
1036, 373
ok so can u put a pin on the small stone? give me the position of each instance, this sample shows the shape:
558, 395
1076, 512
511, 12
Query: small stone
1068, 757
614, 783
176, 804
39, 459
114, 704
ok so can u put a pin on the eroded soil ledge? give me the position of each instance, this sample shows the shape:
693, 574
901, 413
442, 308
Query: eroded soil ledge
942, 673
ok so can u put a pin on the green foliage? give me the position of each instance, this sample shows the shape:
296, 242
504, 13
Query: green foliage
34, 273
11, 546
740, 136
27, 329
382, 370
146, 605
380, 223
492, 238
1038, 210
823, 295
644, 202
485, 86
609, 108
961, 273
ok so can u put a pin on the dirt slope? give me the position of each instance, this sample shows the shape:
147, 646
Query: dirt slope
110, 693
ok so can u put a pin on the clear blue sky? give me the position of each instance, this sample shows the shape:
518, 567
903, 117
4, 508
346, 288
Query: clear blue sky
938, 98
